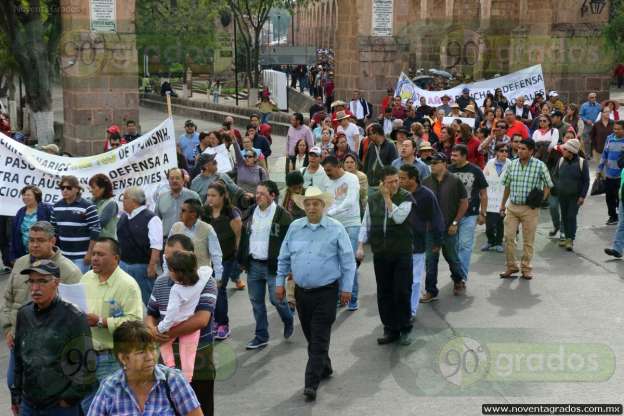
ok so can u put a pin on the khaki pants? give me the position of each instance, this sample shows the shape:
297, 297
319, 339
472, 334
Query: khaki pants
528, 217
290, 291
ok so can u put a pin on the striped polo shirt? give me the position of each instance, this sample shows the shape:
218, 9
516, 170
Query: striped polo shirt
76, 224
157, 305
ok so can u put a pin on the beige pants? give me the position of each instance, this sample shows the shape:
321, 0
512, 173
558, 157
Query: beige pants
290, 291
528, 217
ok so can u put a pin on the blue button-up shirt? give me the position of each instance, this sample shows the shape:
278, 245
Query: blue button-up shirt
317, 255
589, 111
188, 143
114, 397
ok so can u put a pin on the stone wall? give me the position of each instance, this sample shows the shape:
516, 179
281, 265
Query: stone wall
99, 75
476, 38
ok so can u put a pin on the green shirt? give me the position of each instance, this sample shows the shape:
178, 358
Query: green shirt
120, 288
521, 179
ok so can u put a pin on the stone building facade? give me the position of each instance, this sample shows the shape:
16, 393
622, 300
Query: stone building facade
476, 38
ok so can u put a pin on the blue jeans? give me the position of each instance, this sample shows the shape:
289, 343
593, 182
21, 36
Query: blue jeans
418, 270
106, 365
258, 281
27, 410
465, 242
81, 265
11, 370
265, 118
618, 242
139, 272
353, 236
448, 247
553, 206
230, 271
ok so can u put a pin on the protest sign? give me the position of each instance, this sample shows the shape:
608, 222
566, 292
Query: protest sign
525, 82
144, 162
222, 157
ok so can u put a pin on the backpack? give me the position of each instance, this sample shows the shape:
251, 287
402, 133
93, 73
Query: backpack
581, 163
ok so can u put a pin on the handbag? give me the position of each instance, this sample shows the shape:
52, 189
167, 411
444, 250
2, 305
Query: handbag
599, 186
535, 198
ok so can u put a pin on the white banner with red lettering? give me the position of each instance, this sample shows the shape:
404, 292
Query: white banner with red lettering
526, 82
144, 162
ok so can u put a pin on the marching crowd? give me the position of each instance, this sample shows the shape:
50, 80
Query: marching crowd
407, 183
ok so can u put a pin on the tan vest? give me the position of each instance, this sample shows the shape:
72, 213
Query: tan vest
200, 240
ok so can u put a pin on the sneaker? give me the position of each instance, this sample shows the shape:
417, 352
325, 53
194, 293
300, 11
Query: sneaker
353, 306
562, 242
612, 221
569, 244
459, 288
554, 232
405, 338
240, 285
499, 249
223, 332
428, 297
486, 247
612, 252
310, 394
289, 328
255, 344
5, 270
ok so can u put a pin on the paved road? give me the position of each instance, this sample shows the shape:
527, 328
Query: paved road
556, 338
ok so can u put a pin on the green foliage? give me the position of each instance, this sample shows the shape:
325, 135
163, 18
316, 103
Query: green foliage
614, 31
177, 31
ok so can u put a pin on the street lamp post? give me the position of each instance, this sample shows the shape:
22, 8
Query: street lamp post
235, 66
278, 29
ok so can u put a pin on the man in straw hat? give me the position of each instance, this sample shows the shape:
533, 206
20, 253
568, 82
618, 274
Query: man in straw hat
318, 253
351, 131
572, 179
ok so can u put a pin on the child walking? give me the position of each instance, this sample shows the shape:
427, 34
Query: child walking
183, 299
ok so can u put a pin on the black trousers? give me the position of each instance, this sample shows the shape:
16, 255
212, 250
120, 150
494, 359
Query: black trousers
569, 211
317, 312
203, 376
5, 238
394, 292
494, 228
612, 197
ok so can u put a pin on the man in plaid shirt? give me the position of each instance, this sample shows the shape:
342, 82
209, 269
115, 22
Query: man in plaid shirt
523, 175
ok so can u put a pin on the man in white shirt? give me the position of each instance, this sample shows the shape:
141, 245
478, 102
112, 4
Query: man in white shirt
351, 131
263, 233
345, 188
360, 108
314, 174
522, 111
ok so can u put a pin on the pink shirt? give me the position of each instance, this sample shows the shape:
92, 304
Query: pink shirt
296, 134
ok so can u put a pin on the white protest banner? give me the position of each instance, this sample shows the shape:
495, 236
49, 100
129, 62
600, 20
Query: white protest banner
525, 82
447, 121
144, 162
222, 156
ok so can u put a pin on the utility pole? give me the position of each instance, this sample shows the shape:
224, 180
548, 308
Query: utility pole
235, 65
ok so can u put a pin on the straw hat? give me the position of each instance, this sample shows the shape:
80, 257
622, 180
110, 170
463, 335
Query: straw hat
341, 115
470, 108
313, 192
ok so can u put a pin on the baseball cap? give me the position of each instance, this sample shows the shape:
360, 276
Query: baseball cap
425, 146
553, 94
556, 113
205, 158
316, 150
113, 129
188, 123
46, 267
465, 90
438, 157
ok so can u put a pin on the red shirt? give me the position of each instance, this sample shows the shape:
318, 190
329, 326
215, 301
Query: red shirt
619, 70
474, 156
385, 103
518, 128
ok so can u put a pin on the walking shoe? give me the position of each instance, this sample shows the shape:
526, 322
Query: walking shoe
310, 394
612, 221
499, 249
327, 372
562, 242
569, 244
459, 288
388, 339
353, 305
292, 307
428, 297
509, 273
405, 338
289, 328
240, 285
554, 232
223, 332
255, 344
486, 247
613, 253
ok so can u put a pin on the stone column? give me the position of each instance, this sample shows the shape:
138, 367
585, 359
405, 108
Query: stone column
99, 75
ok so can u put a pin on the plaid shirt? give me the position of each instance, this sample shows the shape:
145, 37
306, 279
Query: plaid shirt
523, 179
115, 398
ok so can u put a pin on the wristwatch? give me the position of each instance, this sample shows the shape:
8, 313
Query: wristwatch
100, 323
454, 223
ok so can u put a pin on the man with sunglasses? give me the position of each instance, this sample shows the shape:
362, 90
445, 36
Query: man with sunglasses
209, 174
498, 136
53, 367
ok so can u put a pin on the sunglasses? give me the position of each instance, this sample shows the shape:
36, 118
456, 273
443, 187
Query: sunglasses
66, 188
250, 156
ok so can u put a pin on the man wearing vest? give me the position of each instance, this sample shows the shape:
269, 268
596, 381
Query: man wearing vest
264, 228
140, 235
391, 242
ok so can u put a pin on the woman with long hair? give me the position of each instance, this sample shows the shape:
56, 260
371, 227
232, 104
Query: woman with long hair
33, 210
446, 142
545, 132
488, 119
300, 160
500, 100
573, 119
499, 114
341, 149
352, 165
428, 134
488, 103
226, 221
107, 208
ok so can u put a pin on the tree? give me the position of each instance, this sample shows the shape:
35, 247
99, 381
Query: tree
32, 29
176, 30
614, 31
